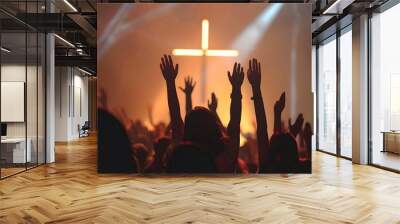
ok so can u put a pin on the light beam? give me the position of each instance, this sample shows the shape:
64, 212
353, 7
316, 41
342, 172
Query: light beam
252, 34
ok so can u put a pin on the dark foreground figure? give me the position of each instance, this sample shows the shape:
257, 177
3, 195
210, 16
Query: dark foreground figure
201, 143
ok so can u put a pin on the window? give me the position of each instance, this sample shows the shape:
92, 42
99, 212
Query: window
334, 98
327, 96
385, 89
346, 93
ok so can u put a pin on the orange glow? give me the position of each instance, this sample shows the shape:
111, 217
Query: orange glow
138, 82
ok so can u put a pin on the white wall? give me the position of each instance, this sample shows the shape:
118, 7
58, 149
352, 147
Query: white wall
81, 97
61, 103
33, 127
10, 73
71, 93
16, 73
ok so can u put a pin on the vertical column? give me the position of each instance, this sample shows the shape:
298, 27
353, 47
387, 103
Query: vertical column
360, 90
338, 91
314, 93
50, 98
92, 86
50, 92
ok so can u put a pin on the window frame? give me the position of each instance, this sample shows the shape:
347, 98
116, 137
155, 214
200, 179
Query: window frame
334, 37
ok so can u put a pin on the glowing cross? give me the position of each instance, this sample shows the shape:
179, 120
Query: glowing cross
204, 52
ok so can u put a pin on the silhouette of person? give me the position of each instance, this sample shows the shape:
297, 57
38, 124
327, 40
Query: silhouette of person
189, 158
202, 127
254, 77
114, 147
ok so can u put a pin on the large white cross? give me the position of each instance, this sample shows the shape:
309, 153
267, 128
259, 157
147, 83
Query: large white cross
204, 52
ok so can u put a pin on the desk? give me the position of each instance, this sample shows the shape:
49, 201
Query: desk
391, 141
13, 150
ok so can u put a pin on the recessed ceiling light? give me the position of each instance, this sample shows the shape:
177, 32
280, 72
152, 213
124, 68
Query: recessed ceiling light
64, 40
70, 5
5, 50
338, 6
84, 71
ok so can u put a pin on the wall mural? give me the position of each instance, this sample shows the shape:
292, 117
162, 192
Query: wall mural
204, 88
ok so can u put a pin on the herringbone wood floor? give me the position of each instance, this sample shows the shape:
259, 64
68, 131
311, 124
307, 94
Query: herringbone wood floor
71, 191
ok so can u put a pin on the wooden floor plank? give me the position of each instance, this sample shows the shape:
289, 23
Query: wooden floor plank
71, 191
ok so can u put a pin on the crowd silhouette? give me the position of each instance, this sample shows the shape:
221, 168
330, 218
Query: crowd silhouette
201, 143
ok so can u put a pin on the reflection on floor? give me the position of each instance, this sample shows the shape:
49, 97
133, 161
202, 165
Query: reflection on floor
71, 191
346, 152
386, 159
10, 169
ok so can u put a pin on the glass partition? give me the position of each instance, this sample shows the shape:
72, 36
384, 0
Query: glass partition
22, 88
14, 155
327, 96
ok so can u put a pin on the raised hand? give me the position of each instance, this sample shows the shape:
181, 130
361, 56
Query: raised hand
254, 73
307, 135
189, 86
236, 79
297, 126
102, 99
167, 68
278, 108
150, 114
254, 77
170, 72
233, 129
280, 104
214, 103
